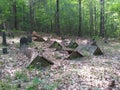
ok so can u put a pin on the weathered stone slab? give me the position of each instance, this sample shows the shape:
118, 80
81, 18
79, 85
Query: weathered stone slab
5, 51
23, 41
95, 50
82, 48
39, 62
75, 55
37, 37
56, 45
72, 45
69, 50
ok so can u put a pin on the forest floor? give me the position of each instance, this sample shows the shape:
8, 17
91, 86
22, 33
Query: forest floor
88, 73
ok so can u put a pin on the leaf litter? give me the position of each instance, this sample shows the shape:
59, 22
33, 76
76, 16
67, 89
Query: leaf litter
89, 73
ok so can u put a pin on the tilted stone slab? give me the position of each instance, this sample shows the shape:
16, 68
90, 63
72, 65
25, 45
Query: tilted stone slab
39, 62
69, 50
95, 50
75, 55
72, 45
39, 39
82, 48
56, 45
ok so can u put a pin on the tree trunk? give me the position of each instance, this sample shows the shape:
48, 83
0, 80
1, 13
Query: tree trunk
31, 16
102, 19
57, 18
80, 20
91, 18
95, 21
15, 15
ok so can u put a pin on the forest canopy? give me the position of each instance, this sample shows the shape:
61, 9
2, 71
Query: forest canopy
88, 17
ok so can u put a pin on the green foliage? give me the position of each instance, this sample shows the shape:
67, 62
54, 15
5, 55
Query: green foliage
31, 44
50, 86
21, 75
36, 81
34, 85
45, 12
7, 85
73, 45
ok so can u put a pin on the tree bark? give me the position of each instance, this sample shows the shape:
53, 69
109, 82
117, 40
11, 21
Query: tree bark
102, 27
95, 21
91, 18
15, 15
80, 20
57, 18
31, 12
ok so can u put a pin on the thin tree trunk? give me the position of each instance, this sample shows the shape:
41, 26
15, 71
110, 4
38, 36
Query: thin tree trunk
95, 21
51, 25
80, 20
31, 16
15, 15
91, 18
57, 18
102, 27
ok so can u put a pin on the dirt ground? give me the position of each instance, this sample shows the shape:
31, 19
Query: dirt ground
87, 73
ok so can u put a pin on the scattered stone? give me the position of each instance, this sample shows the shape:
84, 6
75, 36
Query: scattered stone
23, 42
4, 50
28, 52
112, 84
